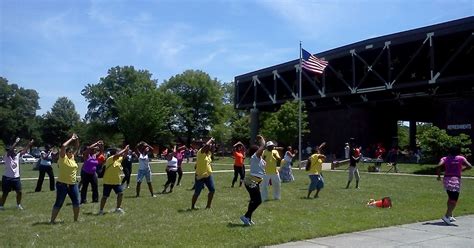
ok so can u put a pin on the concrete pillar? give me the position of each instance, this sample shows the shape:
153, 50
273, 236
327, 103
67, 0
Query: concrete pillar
254, 124
412, 135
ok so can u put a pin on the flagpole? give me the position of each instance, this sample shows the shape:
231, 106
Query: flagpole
299, 111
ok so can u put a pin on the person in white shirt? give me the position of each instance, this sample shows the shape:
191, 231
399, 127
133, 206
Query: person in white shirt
171, 172
45, 168
11, 177
144, 169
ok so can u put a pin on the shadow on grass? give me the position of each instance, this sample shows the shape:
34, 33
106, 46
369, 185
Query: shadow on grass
187, 210
46, 223
426, 171
439, 223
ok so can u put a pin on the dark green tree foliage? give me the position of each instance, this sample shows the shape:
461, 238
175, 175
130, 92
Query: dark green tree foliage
60, 122
120, 81
197, 105
435, 143
144, 116
282, 126
17, 111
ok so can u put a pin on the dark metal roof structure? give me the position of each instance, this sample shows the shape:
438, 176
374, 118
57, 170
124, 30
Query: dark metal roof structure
433, 61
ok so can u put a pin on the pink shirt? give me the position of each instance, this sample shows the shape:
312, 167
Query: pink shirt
12, 166
453, 165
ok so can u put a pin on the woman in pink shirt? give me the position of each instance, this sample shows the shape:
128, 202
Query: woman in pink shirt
453, 165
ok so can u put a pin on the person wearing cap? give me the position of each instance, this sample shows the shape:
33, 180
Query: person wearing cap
203, 174
11, 177
272, 158
238, 152
45, 167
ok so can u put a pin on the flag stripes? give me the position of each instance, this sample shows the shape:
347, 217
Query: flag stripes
311, 63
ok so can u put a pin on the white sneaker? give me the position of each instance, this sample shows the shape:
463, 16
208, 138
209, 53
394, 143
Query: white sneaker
19, 207
101, 212
245, 220
251, 222
119, 210
452, 219
446, 220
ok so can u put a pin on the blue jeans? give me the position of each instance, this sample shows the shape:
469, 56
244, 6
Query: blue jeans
62, 190
208, 181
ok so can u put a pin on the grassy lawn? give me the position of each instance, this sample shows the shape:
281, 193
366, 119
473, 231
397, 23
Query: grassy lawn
167, 220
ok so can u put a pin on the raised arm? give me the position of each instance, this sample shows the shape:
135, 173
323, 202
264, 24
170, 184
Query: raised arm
25, 149
121, 152
97, 145
62, 152
261, 143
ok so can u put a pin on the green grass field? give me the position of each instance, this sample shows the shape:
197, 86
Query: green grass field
168, 221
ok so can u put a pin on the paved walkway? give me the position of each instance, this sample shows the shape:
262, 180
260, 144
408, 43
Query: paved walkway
423, 234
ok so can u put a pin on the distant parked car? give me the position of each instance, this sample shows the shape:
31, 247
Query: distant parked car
36, 153
27, 158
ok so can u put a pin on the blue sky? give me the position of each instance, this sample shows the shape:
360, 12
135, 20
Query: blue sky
58, 46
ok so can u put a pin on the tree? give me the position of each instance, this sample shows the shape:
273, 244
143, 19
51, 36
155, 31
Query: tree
144, 116
59, 123
435, 143
197, 103
17, 111
120, 81
282, 125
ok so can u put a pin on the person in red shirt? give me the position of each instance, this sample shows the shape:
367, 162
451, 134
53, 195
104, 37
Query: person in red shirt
239, 168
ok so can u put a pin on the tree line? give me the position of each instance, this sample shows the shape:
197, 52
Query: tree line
127, 105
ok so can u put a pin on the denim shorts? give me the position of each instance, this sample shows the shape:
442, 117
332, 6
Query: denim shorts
317, 182
144, 173
11, 183
208, 181
62, 190
109, 187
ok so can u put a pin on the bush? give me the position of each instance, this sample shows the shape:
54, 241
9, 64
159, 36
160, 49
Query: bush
435, 142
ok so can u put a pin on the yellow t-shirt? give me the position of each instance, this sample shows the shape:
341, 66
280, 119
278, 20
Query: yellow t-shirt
67, 170
271, 158
113, 170
316, 165
203, 164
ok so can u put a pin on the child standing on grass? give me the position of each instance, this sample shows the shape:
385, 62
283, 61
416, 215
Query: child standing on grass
171, 171
112, 180
354, 158
252, 182
11, 177
286, 175
315, 171
453, 165
67, 181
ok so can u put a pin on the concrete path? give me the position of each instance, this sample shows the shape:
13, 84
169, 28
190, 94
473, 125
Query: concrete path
423, 234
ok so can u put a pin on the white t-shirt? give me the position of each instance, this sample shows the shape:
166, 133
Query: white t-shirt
12, 166
144, 162
173, 164
346, 151
47, 161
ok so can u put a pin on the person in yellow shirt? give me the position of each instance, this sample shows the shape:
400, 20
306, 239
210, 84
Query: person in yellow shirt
204, 174
112, 180
272, 158
67, 182
315, 171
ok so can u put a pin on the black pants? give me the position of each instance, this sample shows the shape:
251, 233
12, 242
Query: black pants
238, 170
42, 170
255, 200
180, 174
171, 178
87, 178
127, 171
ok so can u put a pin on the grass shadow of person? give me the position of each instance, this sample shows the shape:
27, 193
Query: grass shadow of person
439, 223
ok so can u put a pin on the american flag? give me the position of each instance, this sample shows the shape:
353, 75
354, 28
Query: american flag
311, 63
